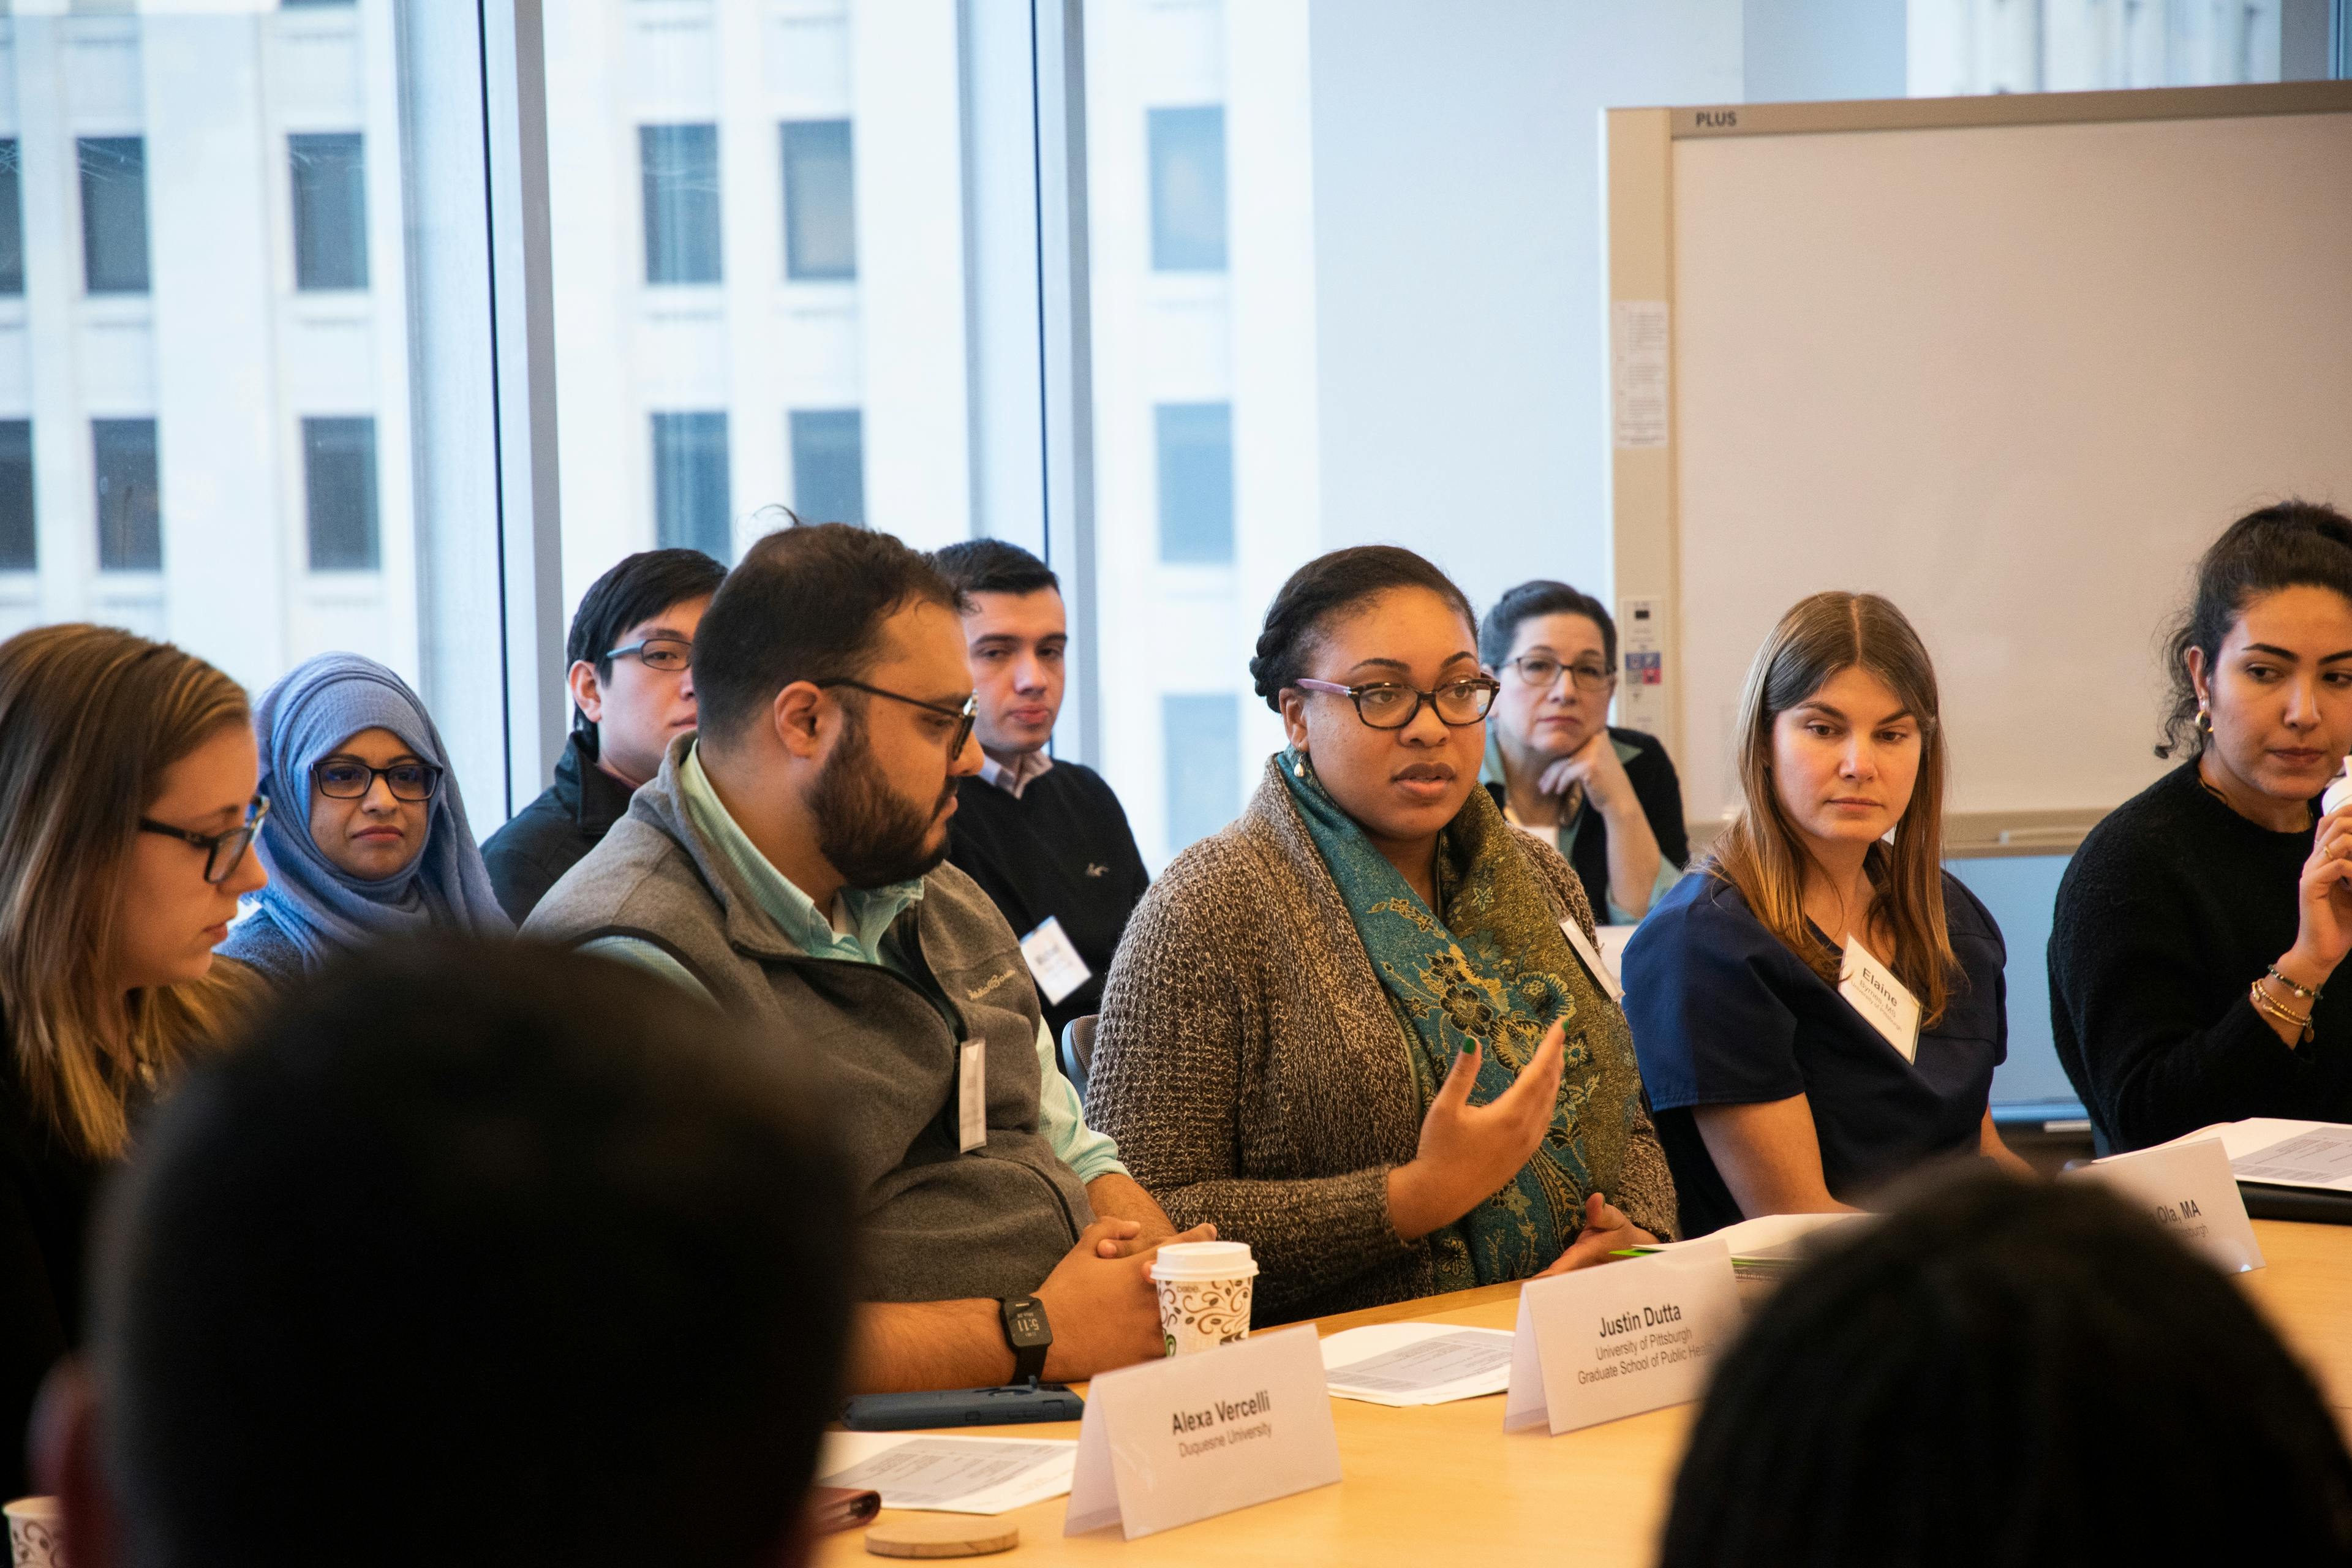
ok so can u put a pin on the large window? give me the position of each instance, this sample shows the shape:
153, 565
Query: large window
820, 201
681, 203
1195, 444
330, 211
691, 505
114, 215
12, 219
829, 465
20, 541
1188, 188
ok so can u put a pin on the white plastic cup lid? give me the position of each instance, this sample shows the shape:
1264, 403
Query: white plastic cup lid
1204, 1261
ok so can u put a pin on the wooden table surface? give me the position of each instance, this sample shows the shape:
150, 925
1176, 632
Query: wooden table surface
1423, 1485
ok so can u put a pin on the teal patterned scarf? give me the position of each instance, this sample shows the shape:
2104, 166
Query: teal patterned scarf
1496, 970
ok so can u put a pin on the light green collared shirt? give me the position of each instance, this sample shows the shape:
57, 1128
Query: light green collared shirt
866, 915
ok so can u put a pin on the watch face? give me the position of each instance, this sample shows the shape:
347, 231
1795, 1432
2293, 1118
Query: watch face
1024, 1322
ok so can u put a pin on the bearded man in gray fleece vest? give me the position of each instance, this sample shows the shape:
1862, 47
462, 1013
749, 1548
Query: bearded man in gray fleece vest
786, 864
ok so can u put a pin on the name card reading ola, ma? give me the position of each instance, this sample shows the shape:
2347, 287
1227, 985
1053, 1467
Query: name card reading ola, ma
1172, 1441
2187, 1188
1620, 1339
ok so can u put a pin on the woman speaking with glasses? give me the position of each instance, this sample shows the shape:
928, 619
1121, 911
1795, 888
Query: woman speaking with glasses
369, 840
1308, 1004
1606, 798
127, 803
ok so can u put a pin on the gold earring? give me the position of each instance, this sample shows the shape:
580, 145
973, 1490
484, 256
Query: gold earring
2204, 719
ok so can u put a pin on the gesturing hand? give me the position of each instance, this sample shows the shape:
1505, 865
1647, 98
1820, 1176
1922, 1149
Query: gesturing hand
1606, 1230
1467, 1152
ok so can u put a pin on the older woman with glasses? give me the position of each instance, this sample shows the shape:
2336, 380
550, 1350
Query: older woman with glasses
127, 802
1306, 1004
1606, 798
370, 838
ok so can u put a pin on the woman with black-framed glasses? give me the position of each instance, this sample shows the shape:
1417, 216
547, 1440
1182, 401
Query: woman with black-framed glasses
127, 783
1306, 1006
370, 839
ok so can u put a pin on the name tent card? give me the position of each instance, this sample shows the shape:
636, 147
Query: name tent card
1174, 1441
1620, 1339
2188, 1189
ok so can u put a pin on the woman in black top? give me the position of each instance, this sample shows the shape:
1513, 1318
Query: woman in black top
127, 803
2201, 923
1606, 798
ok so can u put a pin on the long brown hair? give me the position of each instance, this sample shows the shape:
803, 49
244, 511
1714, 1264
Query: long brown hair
91, 718
1761, 852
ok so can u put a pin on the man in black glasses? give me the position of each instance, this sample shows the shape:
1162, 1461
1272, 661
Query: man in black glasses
632, 690
786, 863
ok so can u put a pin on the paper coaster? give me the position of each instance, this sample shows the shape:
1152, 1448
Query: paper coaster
942, 1535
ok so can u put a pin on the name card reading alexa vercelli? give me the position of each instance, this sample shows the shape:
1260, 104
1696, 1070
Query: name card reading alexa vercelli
1193, 1436
2188, 1188
1620, 1338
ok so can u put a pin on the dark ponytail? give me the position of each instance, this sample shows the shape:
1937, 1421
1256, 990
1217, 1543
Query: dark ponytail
1326, 585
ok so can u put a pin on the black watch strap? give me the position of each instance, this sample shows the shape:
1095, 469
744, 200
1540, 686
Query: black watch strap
1029, 1334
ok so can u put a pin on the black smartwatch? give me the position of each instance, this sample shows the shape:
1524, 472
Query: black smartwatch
1026, 1331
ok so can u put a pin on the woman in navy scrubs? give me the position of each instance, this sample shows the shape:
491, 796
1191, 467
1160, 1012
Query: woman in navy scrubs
1773, 1092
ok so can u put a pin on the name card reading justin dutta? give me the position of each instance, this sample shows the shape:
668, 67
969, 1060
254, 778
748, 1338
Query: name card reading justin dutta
1620, 1338
2188, 1189
1172, 1441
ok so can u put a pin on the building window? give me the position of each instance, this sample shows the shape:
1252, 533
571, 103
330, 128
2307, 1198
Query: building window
114, 215
1187, 189
681, 178
829, 465
820, 206
19, 551
692, 507
129, 512
12, 220
1201, 737
330, 211
339, 480
1196, 482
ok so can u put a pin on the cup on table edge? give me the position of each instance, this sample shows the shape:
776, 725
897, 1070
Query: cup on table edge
1204, 1293
36, 1532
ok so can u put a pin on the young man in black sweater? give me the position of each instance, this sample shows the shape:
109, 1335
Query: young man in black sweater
1046, 839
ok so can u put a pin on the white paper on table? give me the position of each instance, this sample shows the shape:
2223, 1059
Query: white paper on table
2278, 1152
948, 1475
1417, 1363
1766, 1235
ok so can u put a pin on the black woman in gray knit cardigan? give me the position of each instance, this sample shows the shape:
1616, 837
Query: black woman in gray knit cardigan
1353, 1029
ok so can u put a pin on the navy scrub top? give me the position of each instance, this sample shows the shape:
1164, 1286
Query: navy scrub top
1724, 1014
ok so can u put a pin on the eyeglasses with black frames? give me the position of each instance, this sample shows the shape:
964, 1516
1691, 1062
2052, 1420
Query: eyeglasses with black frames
964, 716
1539, 671
346, 778
224, 852
1391, 705
668, 655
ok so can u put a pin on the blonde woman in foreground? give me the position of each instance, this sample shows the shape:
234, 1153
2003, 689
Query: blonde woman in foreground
1817, 1011
127, 809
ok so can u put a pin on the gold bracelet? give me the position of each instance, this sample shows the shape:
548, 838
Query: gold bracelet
2308, 993
2265, 1003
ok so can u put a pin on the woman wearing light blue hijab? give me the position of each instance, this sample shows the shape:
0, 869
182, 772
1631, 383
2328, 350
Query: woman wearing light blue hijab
370, 838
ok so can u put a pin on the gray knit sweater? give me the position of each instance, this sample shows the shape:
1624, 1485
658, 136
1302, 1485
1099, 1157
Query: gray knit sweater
1254, 1074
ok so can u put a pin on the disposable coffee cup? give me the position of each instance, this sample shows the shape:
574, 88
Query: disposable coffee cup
1204, 1293
2340, 789
36, 1532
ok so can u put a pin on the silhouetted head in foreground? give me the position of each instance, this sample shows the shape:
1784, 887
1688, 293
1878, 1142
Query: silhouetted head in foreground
2004, 1374
468, 1256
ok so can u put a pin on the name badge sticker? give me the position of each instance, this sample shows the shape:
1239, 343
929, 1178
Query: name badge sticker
1170, 1442
1603, 970
2188, 1188
1054, 964
1620, 1339
1881, 998
971, 1095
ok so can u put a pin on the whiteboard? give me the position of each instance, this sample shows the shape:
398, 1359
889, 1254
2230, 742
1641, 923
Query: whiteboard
2014, 376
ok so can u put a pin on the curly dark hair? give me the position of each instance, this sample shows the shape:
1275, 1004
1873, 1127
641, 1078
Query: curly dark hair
1326, 585
2296, 544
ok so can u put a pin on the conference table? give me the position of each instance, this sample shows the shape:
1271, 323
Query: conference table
1445, 1484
